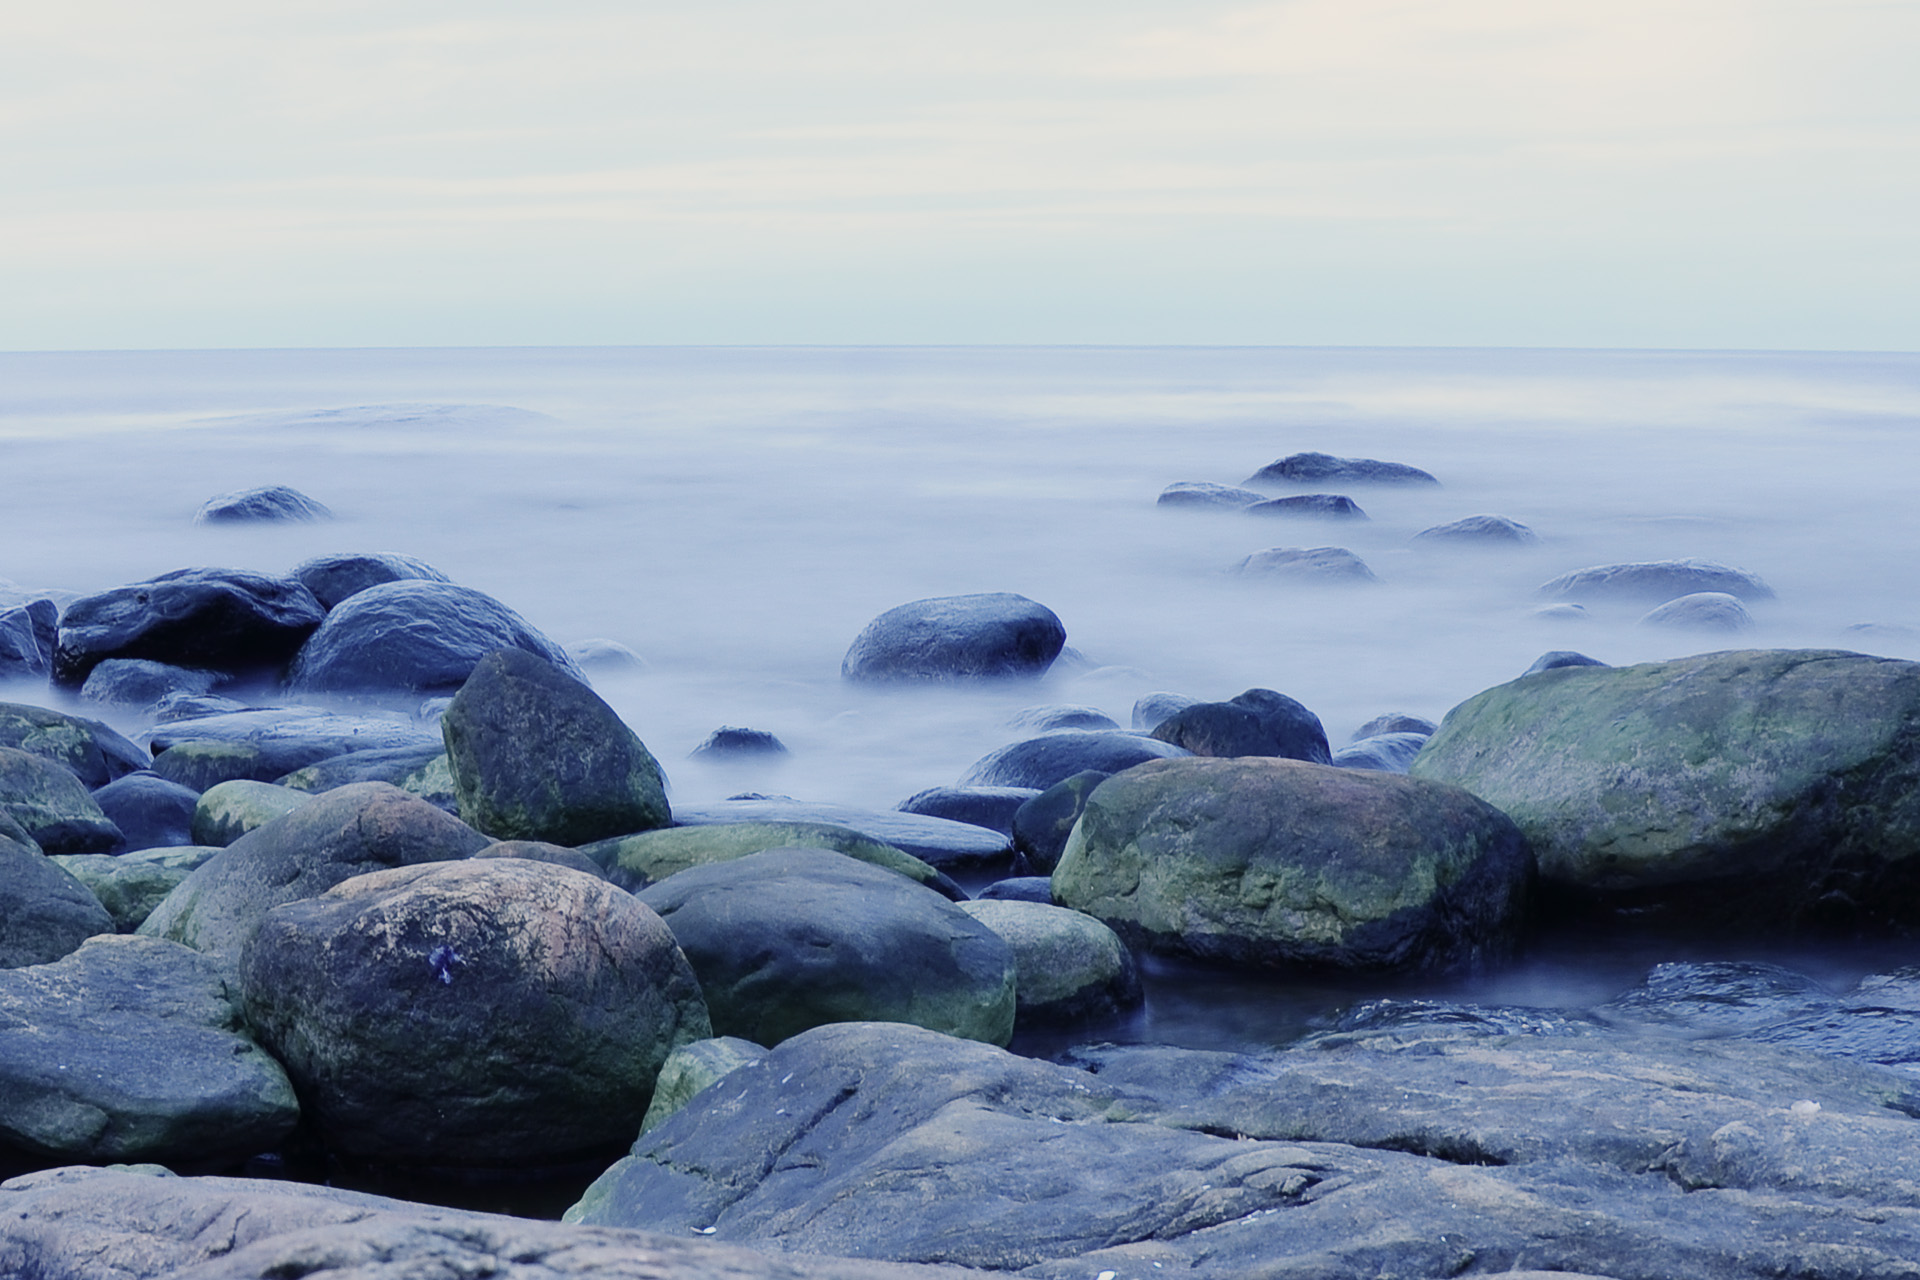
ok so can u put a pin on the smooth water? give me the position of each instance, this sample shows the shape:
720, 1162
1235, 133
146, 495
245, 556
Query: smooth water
737, 515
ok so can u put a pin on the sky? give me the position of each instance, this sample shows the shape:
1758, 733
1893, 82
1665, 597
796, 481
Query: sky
1640, 173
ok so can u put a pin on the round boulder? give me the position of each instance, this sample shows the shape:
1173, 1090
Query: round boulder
989, 807
1387, 752
1259, 722
1701, 611
49, 803
1072, 968
495, 1013
1480, 531
638, 861
137, 682
94, 753
45, 912
1041, 762
1313, 506
980, 637
27, 635
333, 578
1319, 468
1041, 825
1655, 582
228, 810
150, 811
1199, 495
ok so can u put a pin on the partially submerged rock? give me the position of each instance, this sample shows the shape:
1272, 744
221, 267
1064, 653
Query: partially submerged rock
1655, 582
336, 577
990, 636
150, 812
1054, 757
1203, 496
228, 620
639, 861
938, 842
1259, 722
269, 504
1320, 468
1306, 565
1480, 531
1701, 611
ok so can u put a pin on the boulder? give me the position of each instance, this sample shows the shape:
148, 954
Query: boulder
269, 504
227, 620
1053, 719
1198, 495
694, 1067
792, 938
548, 854
188, 706
1041, 762
415, 637
131, 885
333, 578
27, 635
1312, 506
1282, 864
1072, 968
45, 913
1752, 788
1306, 564
94, 753
536, 755
1386, 752
496, 1013
1394, 722
377, 764
131, 1049
140, 682
1480, 531
229, 810
50, 805
977, 637
989, 807
1319, 468
297, 731
1554, 659
1151, 710
1701, 611
731, 743
369, 826
1654, 582
150, 812
1018, 889
938, 842
1041, 825
1258, 722
637, 862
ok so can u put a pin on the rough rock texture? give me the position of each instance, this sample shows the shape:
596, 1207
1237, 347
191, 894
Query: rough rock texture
27, 636
938, 842
1312, 506
1386, 752
131, 885
1480, 531
693, 1067
228, 810
496, 1012
139, 682
1281, 863
1701, 611
274, 503
413, 637
151, 812
1071, 967
1759, 786
536, 755
1054, 757
733, 743
1041, 825
1258, 722
304, 730
369, 826
541, 852
1200, 495
333, 578
379, 764
132, 1049
990, 636
1318, 468
45, 913
94, 753
1306, 565
227, 620
989, 807
793, 938
50, 805
1654, 582
639, 861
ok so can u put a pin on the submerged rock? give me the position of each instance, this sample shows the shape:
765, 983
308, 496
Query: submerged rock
1151, 710
1554, 659
1655, 582
1259, 722
1306, 564
1200, 495
1053, 719
731, 743
1480, 531
1394, 722
1319, 468
270, 503
1386, 752
1701, 611
226, 620
1313, 506
978, 637
136, 682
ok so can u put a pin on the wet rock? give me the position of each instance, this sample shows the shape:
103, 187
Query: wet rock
1394, 722
1655, 582
1877, 1022
1319, 468
1312, 506
536, 755
1071, 967
94, 753
150, 812
1307, 565
694, 1067
1051, 719
226, 620
1278, 863
1562, 613
978, 637
264, 745
45, 913
937, 842
131, 1049
1718, 998
1018, 889
541, 852
792, 938
27, 635
1554, 659
269, 504
1151, 710
600, 654
1041, 825
229, 810
1259, 722
1385, 752
1701, 611
989, 807
731, 743
637, 862
333, 578
1199, 495
131, 885
379, 764
1748, 789
494, 1013
413, 637
137, 682
1480, 531
51, 806
1041, 762
187, 706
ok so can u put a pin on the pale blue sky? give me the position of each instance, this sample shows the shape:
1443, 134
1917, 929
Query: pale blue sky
1696, 173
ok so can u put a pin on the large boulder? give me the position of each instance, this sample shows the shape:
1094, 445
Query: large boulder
1759, 787
1258, 722
939, 842
989, 807
1279, 863
27, 636
992, 636
45, 913
496, 1013
227, 620
793, 938
150, 812
333, 578
1320, 468
50, 805
369, 826
536, 755
268, 504
416, 637
1650, 582
93, 752
132, 1049
642, 860
376, 764
228, 810
1052, 758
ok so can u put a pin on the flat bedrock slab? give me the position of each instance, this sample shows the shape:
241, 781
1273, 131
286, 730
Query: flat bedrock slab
996, 635
226, 620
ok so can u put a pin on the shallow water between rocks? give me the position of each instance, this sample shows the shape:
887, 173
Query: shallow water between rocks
737, 515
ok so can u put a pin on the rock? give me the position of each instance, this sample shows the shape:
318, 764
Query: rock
368, 826
1717, 998
1153, 709
1655, 582
137, 682
1701, 611
1279, 863
730, 743
601, 654
1304, 564
1386, 752
1198, 495
1480, 531
1394, 722
413, 637
1313, 506
977, 637
694, 1067
333, 578
938, 842
1752, 789
226, 620
1041, 825
90, 750
294, 732
1258, 722
229, 810
639, 861
27, 634
1318, 468
989, 807
1052, 719
1041, 762
549, 854
1072, 968
1554, 659
45, 913
793, 938
51, 806
187, 706
150, 812
1877, 1022
131, 1049
495, 1013
131, 885
270, 504
536, 755
1018, 889
1562, 613
379, 764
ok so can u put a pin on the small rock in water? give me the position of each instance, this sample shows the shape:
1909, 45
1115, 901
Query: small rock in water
274, 502
1318, 468
1701, 611
1199, 495
1053, 757
1318, 506
1050, 719
1259, 722
601, 654
1483, 531
227, 620
1153, 709
1385, 752
1307, 564
1018, 889
1394, 722
1554, 659
1562, 613
731, 743
137, 682
977, 637
1655, 582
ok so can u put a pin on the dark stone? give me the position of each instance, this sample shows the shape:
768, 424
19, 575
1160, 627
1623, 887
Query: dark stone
226, 620
1313, 506
333, 578
1041, 825
131, 885
51, 806
151, 812
1655, 582
1701, 611
731, 743
45, 913
27, 636
1052, 719
414, 637
137, 682
1554, 659
1319, 468
380, 764
1258, 722
989, 807
1717, 998
271, 503
977, 637
187, 706
1480, 531
88, 749
1307, 564
536, 755
1018, 889
1385, 752
1041, 762
1394, 722
1152, 710
1199, 495
640, 861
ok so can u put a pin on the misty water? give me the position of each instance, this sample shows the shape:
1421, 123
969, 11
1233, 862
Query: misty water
737, 515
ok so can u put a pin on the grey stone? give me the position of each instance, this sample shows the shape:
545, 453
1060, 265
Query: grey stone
1071, 967
989, 807
938, 842
1654, 582
1310, 506
694, 1067
139, 682
1259, 722
27, 635
1319, 468
1480, 531
336, 577
151, 812
989, 636
227, 620
269, 504
1701, 611
229, 810
1306, 565
131, 885
45, 913
1200, 495
1041, 826
1042, 762
1151, 710
94, 753
50, 805
1385, 752
638, 861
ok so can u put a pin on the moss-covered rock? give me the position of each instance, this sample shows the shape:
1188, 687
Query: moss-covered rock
638, 861
94, 753
1072, 968
131, 885
694, 1067
228, 810
45, 913
51, 806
